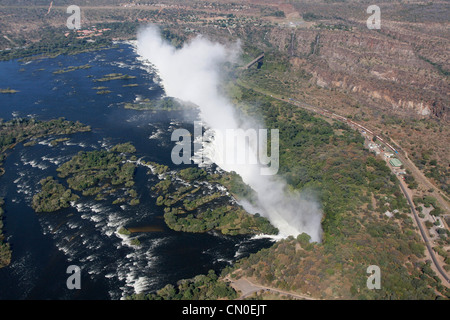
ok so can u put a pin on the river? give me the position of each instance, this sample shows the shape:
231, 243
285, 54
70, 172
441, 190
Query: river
44, 245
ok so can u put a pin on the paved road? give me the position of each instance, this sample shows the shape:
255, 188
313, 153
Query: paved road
424, 180
424, 235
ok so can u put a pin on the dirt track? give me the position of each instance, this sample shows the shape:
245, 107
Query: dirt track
247, 288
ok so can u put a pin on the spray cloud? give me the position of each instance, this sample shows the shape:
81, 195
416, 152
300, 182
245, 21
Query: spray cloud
192, 74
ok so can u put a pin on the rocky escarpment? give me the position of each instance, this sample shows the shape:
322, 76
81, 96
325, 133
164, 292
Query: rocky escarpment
393, 67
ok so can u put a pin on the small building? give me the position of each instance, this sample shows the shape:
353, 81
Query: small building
395, 162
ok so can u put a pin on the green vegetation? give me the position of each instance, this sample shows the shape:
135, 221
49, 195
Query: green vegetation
310, 16
438, 66
124, 148
124, 231
226, 219
53, 196
156, 168
8, 90
94, 173
410, 180
354, 187
103, 91
72, 68
338, 26
427, 202
119, 201
196, 209
234, 184
53, 43
425, 156
55, 142
164, 104
100, 172
135, 242
114, 76
192, 173
5, 250
432, 169
18, 130
201, 287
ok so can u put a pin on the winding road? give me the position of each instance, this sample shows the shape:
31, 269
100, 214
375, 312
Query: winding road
424, 235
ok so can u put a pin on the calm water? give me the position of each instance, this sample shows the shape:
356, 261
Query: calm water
44, 245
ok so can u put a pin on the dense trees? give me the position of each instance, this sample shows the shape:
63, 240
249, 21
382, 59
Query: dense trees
192, 208
93, 173
163, 104
18, 130
201, 287
124, 148
192, 173
53, 196
100, 172
227, 219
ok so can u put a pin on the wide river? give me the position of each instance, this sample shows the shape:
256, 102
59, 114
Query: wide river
44, 245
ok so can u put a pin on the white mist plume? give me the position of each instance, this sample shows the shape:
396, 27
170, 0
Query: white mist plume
192, 74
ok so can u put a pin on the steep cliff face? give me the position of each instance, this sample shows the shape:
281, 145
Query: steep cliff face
393, 66
397, 101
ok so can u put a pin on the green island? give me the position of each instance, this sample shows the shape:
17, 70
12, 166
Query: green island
135, 242
72, 68
101, 172
55, 142
103, 91
201, 287
124, 231
5, 249
8, 90
18, 130
96, 173
235, 185
53, 43
123, 148
114, 76
164, 104
156, 168
190, 208
53, 196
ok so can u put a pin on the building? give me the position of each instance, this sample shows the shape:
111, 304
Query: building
395, 162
